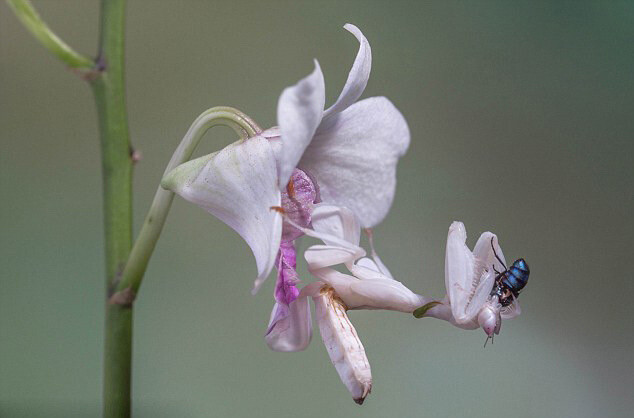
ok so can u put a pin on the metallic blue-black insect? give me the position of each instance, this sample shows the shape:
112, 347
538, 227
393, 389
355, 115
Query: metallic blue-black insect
510, 282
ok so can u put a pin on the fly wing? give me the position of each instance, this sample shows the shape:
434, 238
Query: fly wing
511, 311
459, 273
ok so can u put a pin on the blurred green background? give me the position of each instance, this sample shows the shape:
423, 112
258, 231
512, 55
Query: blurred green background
521, 121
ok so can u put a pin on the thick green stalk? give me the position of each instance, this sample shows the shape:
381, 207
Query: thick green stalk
109, 91
124, 268
106, 77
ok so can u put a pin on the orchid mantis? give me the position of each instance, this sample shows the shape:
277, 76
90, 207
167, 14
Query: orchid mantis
470, 278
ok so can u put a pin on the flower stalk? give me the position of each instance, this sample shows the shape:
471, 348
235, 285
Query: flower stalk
125, 264
25, 11
139, 258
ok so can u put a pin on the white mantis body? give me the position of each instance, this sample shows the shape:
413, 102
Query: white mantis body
469, 279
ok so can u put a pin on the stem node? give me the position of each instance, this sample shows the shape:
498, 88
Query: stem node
123, 297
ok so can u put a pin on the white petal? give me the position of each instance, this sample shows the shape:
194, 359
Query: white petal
238, 185
299, 112
353, 158
294, 332
358, 76
343, 345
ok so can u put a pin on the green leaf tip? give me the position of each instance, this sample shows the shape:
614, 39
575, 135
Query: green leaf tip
420, 312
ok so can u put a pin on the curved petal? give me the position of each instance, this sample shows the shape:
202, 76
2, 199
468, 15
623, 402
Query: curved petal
293, 333
299, 112
358, 76
353, 158
238, 185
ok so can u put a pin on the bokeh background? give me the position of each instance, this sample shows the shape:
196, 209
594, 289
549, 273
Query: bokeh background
522, 123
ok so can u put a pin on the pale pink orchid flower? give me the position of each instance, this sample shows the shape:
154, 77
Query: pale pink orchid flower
345, 155
369, 285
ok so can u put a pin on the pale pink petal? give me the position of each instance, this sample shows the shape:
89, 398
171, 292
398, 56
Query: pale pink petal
299, 112
358, 76
353, 158
293, 333
238, 185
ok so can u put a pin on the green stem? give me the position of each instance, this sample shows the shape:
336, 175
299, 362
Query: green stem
124, 268
155, 219
25, 11
109, 91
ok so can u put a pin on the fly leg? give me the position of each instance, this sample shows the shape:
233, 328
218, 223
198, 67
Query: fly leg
496, 256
